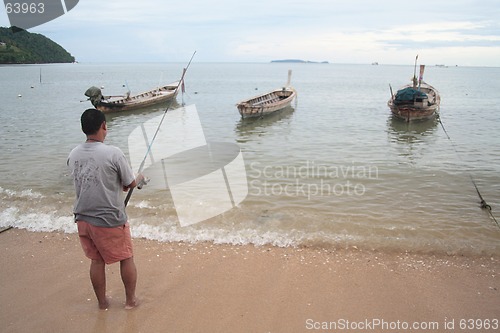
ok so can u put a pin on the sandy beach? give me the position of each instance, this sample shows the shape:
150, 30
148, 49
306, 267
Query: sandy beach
222, 288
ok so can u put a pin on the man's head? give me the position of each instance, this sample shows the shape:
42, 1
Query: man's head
92, 120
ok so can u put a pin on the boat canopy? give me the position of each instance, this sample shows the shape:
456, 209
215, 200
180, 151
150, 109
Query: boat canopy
409, 95
94, 94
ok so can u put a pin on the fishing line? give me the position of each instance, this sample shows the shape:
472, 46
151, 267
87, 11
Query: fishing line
129, 194
484, 204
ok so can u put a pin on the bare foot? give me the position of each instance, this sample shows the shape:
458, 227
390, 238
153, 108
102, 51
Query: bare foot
104, 305
132, 305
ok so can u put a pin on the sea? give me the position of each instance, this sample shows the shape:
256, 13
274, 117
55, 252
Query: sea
334, 170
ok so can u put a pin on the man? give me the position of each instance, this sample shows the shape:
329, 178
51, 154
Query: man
100, 173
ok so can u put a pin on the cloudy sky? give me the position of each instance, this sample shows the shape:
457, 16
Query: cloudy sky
450, 32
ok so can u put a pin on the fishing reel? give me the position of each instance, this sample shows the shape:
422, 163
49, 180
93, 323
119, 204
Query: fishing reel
143, 181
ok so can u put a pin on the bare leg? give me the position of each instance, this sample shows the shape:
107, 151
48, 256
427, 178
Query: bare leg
129, 277
98, 279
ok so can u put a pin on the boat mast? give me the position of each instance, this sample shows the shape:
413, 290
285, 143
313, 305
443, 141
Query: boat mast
159, 83
421, 77
415, 73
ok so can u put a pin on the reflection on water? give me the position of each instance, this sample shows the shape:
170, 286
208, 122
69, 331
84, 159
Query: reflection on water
248, 127
411, 132
121, 124
412, 139
144, 111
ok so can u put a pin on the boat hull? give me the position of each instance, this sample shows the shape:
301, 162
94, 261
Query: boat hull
417, 110
267, 103
152, 97
413, 113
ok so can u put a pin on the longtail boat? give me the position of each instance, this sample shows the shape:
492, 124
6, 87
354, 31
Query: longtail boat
109, 104
415, 101
269, 102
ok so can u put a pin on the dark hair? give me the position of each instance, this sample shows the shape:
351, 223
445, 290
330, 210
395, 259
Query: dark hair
92, 120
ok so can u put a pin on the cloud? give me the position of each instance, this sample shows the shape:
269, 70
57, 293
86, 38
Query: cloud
358, 31
357, 45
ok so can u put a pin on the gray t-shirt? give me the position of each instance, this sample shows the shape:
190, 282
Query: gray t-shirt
99, 173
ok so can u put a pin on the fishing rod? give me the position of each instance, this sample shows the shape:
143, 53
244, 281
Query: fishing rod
143, 181
6, 229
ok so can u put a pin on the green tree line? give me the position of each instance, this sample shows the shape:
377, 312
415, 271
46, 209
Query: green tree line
18, 46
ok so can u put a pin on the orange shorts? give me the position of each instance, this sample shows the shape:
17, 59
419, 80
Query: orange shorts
108, 244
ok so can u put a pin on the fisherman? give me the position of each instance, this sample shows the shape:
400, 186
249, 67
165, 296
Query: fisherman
100, 173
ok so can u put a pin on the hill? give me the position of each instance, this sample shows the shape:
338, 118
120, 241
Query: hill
18, 46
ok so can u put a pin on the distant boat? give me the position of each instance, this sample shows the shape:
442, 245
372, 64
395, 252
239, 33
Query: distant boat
269, 102
109, 104
415, 101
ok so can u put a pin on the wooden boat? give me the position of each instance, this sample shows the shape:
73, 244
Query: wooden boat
109, 104
415, 101
269, 102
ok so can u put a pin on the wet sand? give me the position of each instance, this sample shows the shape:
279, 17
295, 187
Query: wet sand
222, 288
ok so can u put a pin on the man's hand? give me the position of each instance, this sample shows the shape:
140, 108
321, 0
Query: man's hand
142, 180
139, 181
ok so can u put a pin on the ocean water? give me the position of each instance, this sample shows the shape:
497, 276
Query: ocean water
334, 170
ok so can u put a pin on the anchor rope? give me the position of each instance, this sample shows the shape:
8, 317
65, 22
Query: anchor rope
484, 204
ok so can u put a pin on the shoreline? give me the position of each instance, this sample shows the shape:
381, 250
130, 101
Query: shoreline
205, 287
